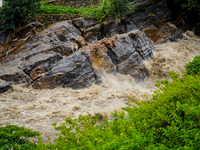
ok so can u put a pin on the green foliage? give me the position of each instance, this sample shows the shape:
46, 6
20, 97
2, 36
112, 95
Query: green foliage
44, 0
14, 13
52, 9
14, 137
86, 133
194, 66
170, 121
110, 8
189, 4
107, 8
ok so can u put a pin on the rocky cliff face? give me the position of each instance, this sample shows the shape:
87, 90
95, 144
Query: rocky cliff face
60, 56
76, 53
150, 17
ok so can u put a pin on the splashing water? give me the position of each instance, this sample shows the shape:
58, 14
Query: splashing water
173, 56
38, 109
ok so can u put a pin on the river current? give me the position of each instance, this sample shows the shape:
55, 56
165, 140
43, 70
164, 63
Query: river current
38, 109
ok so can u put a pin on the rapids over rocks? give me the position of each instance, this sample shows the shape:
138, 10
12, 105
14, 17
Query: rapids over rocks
38, 109
79, 66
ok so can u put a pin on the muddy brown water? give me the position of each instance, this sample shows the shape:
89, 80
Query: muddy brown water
38, 109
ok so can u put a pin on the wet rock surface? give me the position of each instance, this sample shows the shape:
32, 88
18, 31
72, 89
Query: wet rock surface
76, 53
60, 56
123, 53
74, 71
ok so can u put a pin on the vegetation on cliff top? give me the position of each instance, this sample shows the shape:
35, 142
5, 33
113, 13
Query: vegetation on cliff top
171, 120
186, 14
14, 13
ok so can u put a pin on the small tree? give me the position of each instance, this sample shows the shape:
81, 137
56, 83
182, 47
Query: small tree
14, 12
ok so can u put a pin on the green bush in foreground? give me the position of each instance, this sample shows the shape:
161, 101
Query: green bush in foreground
194, 66
170, 121
14, 137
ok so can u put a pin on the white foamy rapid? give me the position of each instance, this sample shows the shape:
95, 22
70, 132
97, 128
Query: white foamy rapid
38, 109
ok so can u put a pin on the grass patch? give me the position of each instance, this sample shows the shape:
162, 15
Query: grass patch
52, 9
45, 0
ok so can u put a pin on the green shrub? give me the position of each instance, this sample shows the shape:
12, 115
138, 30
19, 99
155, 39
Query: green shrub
14, 13
110, 8
172, 119
14, 137
194, 66
119, 8
189, 4
86, 133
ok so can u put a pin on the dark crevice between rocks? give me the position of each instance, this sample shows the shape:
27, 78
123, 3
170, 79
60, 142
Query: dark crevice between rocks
61, 37
140, 54
28, 78
103, 32
77, 27
112, 56
134, 38
123, 23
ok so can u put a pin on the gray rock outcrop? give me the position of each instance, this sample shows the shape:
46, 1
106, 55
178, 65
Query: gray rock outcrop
60, 56
74, 71
76, 53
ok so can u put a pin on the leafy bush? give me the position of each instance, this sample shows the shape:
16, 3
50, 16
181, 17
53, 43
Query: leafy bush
111, 8
119, 8
194, 66
14, 137
189, 4
14, 13
170, 121
172, 118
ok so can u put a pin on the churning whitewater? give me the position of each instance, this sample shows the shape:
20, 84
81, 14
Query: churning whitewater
38, 109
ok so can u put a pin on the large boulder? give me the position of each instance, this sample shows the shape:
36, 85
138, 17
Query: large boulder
60, 56
41, 53
74, 71
123, 53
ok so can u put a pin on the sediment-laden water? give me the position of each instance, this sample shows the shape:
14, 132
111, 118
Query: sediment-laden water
38, 109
